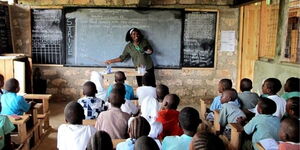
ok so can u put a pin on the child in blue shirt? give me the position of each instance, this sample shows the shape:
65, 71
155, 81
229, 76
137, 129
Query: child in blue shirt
189, 120
13, 104
92, 105
264, 125
120, 78
6, 127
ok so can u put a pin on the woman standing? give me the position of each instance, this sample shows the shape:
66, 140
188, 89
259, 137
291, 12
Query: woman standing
139, 50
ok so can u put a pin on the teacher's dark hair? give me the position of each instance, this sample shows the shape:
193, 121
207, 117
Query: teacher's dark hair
128, 37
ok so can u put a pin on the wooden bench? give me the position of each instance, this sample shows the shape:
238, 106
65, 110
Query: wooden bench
22, 132
205, 125
44, 116
89, 122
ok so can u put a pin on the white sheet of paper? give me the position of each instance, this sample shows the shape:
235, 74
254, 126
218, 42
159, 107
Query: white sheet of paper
228, 41
269, 144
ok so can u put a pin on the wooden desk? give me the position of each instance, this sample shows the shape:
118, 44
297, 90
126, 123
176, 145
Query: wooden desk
45, 102
21, 124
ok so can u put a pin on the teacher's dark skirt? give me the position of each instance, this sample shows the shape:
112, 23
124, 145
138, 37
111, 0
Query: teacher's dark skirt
151, 73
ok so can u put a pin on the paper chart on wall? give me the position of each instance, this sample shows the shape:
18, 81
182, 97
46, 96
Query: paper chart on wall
227, 41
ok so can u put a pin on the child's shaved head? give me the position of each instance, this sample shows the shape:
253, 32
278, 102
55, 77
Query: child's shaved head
116, 97
171, 101
289, 130
224, 84
12, 85
89, 89
245, 85
229, 95
120, 77
145, 143
74, 113
161, 91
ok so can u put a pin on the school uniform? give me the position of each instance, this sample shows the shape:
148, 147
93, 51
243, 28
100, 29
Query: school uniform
129, 144
170, 122
248, 99
288, 95
129, 91
217, 105
145, 91
13, 104
288, 146
229, 113
176, 142
280, 106
262, 127
114, 122
6, 127
74, 137
92, 106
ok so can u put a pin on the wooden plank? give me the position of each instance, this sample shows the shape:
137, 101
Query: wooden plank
217, 126
294, 45
236, 131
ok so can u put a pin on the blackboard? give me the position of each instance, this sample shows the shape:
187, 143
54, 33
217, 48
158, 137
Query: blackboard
199, 39
5, 33
96, 35
47, 36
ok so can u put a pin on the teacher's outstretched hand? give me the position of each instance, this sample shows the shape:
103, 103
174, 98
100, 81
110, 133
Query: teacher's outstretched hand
139, 50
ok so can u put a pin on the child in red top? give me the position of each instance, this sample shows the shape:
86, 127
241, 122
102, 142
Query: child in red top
168, 116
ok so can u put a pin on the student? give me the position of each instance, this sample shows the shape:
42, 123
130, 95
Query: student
100, 141
189, 120
289, 134
120, 78
145, 90
92, 105
114, 121
74, 135
161, 91
6, 127
145, 143
264, 125
204, 140
11, 103
223, 85
248, 99
291, 88
270, 88
138, 126
229, 112
292, 107
168, 116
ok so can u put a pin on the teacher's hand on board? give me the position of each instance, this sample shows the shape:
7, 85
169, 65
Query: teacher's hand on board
108, 62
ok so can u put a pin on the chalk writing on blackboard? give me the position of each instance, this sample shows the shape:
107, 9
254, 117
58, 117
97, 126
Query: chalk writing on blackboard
199, 39
5, 34
47, 37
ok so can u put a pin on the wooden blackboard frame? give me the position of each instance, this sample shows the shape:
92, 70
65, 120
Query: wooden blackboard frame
189, 10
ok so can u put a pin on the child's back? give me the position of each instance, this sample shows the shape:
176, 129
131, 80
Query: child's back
114, 121
12, 103
264, 125
168, 116
74, 135
5, 128
248, 99
146, 90
91, 104
120, 78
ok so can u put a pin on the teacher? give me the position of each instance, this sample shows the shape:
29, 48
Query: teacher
139, 50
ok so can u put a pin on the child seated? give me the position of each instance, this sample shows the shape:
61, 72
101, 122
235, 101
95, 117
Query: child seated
189, 120
264, 125
138, 126
100, 140
6, 127
11, 103
120, 78
161, 91
248, 99
91, 104
270, 88
168, 116
223, 85
291, 88
74, 135
292, 107
289, 134
145, 143
145, 90
206, 141
114, 121
229, 112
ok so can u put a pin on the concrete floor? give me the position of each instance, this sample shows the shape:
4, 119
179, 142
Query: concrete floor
56, 119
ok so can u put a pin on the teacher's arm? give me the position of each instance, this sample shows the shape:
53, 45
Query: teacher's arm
125, 55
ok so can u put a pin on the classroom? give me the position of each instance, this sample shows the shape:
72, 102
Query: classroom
188, 58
